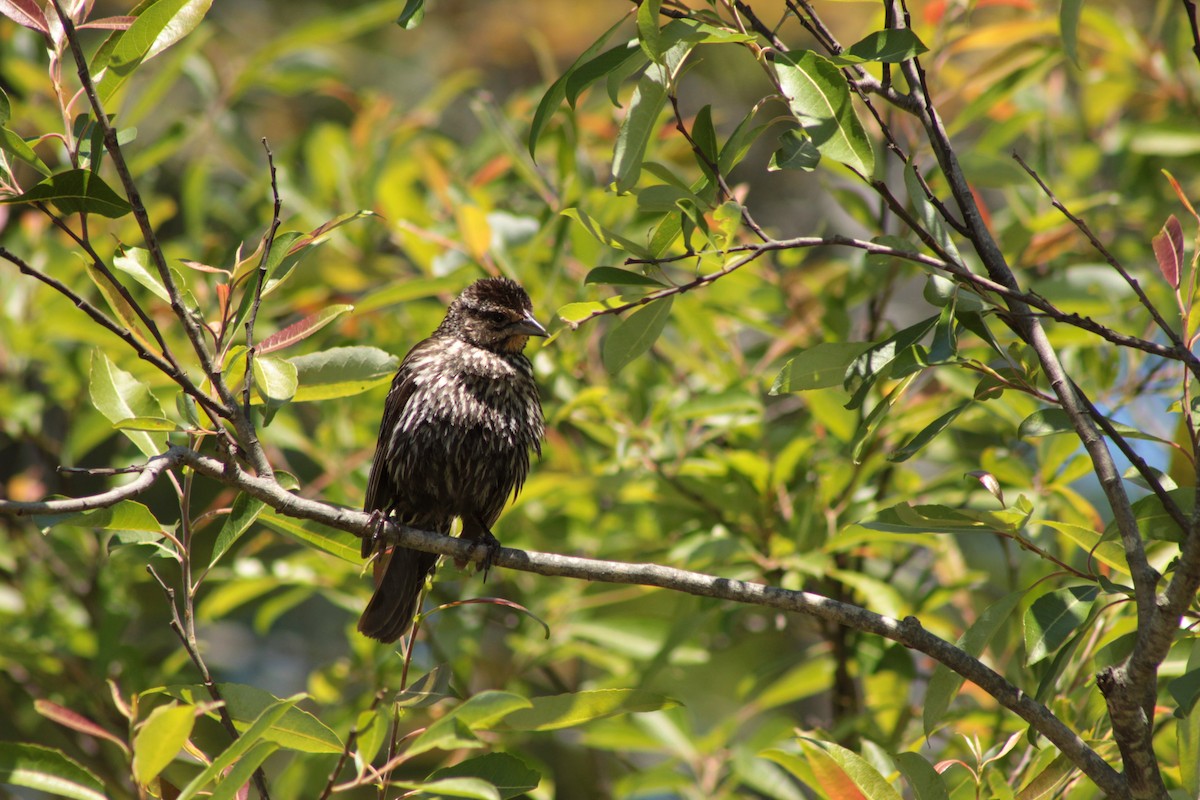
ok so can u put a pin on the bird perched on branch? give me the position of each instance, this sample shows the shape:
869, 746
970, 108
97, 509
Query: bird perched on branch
458, 425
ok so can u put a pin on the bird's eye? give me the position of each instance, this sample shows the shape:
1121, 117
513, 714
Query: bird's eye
495, 317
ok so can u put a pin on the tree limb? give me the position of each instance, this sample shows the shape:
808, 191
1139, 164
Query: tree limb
907, 632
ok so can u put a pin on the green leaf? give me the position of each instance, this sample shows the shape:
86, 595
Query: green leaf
160, 739
796, 151
510, 775
47, 770
341, 372
288, 727
866, 777
275, 379
635, 334
13, 144
1106, 551
567, 710
236, 781
250, 739
1187, 737
412, 15
136, 262
638, 127
620, 277
407, 291
866, 430
480, 712
345, 546
819, 97
819, 367
1054, 617
430, 688
874, 361
648, 33
605, 236
73, 192
118, 396
241, 516
925, 781
927, 434
944, 684
127, 515
158, 424
1054, 421
1068, 26
474, 788
705, 137
890, 47
159, 25
558, 90
620, 60
928, 214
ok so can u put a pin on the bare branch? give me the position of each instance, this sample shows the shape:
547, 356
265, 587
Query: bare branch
149, 473
261, 279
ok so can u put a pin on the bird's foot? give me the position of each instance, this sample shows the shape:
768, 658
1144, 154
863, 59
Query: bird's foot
491, 547
372, 535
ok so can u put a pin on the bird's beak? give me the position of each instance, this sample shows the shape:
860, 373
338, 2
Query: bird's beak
527, 327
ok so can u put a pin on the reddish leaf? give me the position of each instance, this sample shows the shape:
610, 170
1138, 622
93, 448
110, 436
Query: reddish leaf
110, 23
1168, 250
25, 12
76, 722
302, 329
318, 234
989, 482
1179, 193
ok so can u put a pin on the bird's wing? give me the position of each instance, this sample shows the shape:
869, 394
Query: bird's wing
381, 486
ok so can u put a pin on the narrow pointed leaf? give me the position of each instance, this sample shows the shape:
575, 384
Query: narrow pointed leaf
635, 334
46, 770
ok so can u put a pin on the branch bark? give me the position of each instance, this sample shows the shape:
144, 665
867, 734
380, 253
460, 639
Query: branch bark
908, 632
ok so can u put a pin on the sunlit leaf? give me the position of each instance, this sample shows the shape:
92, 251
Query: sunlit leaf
567, 710
819, 97
160, 739
638, 127
46, 770
508, 774
341, 372
118, 396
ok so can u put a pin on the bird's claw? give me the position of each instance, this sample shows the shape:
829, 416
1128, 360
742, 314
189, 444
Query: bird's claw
491, 547
372, 536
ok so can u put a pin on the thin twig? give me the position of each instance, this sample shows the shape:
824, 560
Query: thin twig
260, 282
1185, 355
120, 331
242, 424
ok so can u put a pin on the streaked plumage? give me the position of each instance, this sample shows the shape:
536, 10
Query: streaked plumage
458, 425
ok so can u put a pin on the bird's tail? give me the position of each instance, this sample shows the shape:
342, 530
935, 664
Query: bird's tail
399, 583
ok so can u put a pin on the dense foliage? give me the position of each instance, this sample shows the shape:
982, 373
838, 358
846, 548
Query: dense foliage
814, 327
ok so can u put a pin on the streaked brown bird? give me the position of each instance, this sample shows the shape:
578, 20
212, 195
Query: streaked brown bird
458, 425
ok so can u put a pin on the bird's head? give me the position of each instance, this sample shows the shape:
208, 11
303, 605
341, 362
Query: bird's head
495, 314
